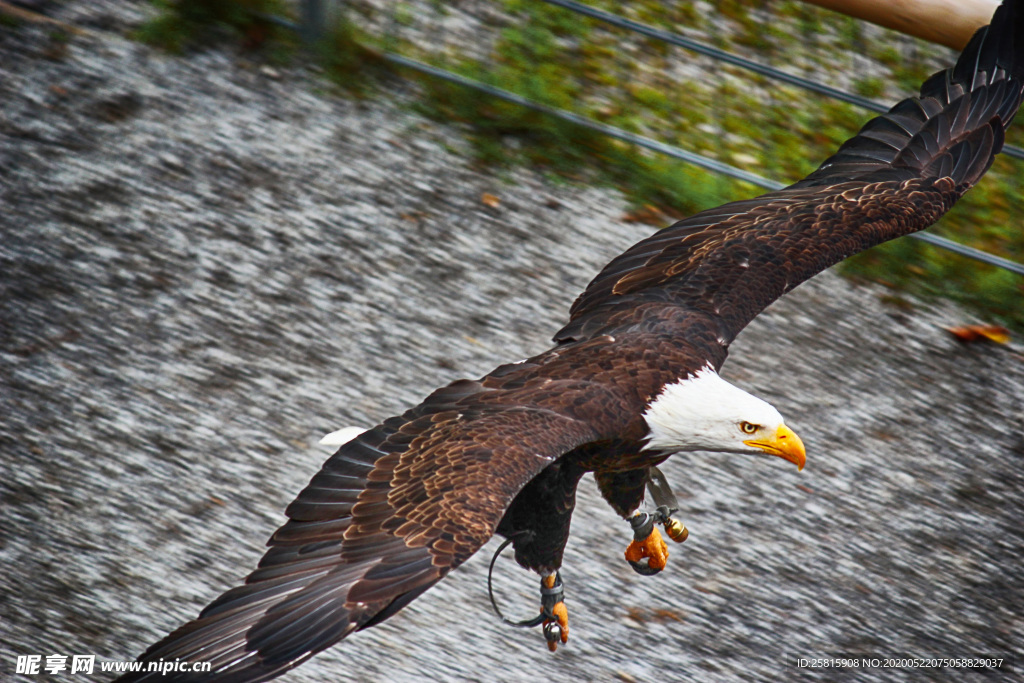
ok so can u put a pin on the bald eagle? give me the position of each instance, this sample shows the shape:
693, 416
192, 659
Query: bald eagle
632, 379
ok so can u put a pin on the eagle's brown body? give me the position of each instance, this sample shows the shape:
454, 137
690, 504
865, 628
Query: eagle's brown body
398, 507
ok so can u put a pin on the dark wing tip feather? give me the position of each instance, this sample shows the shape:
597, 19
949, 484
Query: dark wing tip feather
297, 603
899, 174
952, 104
386, 517
994, 46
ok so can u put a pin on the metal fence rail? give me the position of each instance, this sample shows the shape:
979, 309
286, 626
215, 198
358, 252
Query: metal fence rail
315, 11
676, 152
736, 60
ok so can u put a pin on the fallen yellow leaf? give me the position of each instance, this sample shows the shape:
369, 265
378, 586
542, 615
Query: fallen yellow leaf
973, 333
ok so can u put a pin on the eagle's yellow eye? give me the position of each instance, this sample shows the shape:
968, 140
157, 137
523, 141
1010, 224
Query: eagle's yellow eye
748, 428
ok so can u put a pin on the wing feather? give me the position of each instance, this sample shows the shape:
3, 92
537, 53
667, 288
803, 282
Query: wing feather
387, 516
899, 174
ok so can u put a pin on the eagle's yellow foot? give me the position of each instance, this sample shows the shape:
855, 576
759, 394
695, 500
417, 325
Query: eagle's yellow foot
556, 621
653, 548
648, 543
558, 628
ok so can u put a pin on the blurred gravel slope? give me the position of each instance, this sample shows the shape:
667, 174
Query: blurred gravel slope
205, 266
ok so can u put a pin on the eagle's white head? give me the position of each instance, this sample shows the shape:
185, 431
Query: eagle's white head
706, 413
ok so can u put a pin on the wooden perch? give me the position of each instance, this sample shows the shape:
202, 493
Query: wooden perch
948, 22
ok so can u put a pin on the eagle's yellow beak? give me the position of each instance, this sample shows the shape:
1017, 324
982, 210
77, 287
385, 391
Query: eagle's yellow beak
783, 443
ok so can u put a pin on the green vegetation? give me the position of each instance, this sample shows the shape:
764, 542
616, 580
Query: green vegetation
185, 23
344, 53
9, 20
508, 134
563, 60
348, 60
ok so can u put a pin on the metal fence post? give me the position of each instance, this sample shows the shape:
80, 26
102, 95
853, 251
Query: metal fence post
314, 20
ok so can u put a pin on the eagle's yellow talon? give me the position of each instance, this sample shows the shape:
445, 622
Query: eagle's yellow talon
556, 626
653, 548
561, 621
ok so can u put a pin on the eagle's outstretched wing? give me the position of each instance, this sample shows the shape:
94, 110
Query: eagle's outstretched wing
387, 516
898, 175
399, 506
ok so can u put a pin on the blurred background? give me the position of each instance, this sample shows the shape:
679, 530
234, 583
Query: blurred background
228, 228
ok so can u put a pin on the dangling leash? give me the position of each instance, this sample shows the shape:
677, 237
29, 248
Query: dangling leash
549, 597
642, 525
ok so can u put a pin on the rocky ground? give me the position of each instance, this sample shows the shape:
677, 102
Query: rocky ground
205, 265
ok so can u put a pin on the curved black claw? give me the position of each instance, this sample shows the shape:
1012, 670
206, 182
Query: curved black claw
644, 567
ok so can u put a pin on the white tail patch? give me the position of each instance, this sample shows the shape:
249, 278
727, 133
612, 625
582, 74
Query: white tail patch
342, 436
